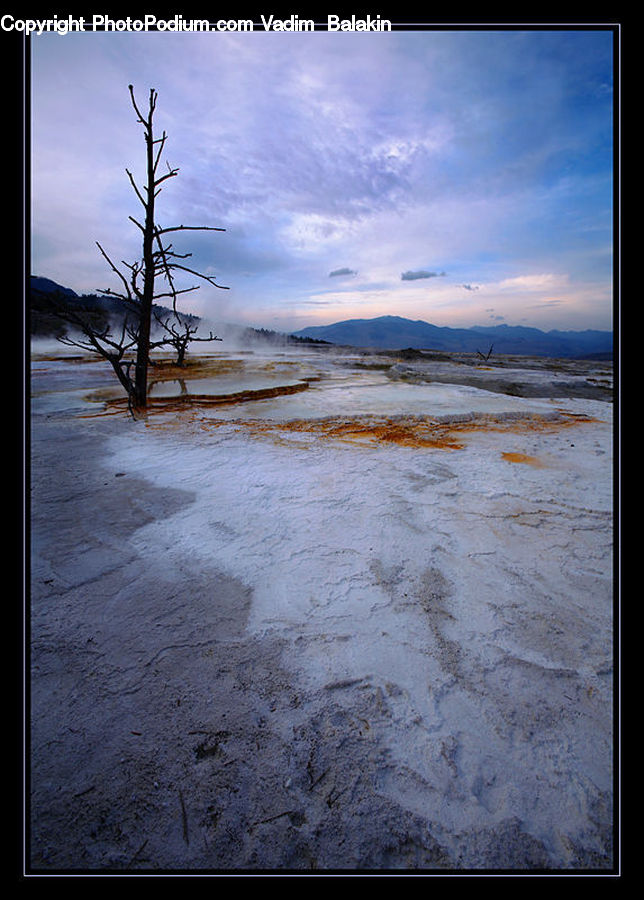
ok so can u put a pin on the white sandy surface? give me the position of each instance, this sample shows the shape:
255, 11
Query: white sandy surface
296, 651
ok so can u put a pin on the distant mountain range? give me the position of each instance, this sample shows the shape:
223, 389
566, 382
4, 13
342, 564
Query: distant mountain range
395, 333
382, 333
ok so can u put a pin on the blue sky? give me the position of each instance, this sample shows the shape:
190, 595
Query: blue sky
459, 177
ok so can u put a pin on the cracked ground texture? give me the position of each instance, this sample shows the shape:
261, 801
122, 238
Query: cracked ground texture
269, 650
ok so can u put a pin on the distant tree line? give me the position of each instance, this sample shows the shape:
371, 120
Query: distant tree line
51, 315
279, 337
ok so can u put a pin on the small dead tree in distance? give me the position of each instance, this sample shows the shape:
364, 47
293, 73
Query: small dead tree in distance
487, 356
178, 338
137, 292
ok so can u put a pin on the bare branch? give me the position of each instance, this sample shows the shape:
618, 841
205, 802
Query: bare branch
165, 177
95, 337
171, 173
172, 254
136, 190
211, 338
208, 278
161, 141
168, 273
114, 269
188, 228
176, 293
132, 219
136, 108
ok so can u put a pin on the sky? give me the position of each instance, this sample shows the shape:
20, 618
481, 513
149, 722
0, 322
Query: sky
460, 177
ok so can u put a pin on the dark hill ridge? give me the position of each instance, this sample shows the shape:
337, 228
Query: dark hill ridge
103, 310
394, 332
47, 286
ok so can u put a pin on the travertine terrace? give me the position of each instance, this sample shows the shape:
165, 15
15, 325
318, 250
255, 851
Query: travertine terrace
322, 610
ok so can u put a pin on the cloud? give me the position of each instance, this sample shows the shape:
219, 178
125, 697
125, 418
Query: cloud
385, 150
543, 281
298, 302
343, 271
546, 303
420, 273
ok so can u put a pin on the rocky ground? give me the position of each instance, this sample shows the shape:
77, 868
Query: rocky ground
261, 648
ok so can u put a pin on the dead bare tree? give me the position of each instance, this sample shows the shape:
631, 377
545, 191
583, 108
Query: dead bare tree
137, 292
179, 334
487, 356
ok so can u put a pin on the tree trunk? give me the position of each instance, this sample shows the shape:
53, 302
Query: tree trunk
122, 376
143, 348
